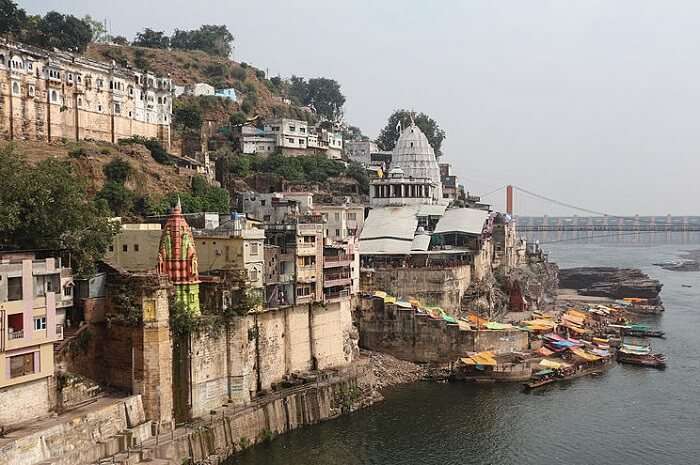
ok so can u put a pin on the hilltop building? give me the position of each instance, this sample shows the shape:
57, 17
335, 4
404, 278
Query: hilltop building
53, 95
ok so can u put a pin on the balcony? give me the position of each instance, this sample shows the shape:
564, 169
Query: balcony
337, 295
15, 334
306, 249
336, 279
336, 261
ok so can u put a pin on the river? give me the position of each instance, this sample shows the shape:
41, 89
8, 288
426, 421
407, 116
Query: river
630, 415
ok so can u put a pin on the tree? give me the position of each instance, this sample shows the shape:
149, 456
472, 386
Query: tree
119, 199
65, 32
151, 39
298, 90
117, 170
212, 39
188, 114
389, 135
47, 207
120, 40
98, 28
324, 94
12, 18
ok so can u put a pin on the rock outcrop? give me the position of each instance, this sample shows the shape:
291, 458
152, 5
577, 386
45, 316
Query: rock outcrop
616, 283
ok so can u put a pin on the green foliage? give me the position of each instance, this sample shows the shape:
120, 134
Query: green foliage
65, 32
260, 74
78, 152
389, 135
238, 118
119, 199
203, 197
157, 150
244, 442
359, 174
118, 170
98, 28
239, 73
151, 39
140, 60
120, 40
311, 168
187, 114
265, 436
322, 93
213, 39
47, 207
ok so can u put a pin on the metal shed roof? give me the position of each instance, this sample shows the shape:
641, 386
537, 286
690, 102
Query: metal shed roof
464, 220
390, 222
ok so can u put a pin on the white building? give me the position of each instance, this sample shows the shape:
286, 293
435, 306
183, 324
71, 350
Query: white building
290, 135
360, 150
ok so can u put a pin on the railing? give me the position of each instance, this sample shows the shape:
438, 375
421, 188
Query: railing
337, 295
335, 276
19, 334
306, 245
338, 258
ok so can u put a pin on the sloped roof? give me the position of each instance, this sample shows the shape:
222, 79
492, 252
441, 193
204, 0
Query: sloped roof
464, 220
390, 222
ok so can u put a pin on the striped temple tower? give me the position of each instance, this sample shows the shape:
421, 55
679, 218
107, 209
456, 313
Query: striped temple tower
177, 259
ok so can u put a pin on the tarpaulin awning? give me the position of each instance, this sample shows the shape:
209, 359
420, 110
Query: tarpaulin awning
540, 322
546, 371
545, 352
482, 358
600, 340
498, 326
389, 299
634, 349
573, 318
601, 352
380, 294
403, 304
584, 355
473, 319
548, 363
463, 325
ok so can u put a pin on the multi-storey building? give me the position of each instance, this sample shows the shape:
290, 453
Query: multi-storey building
299, 259
290, 135
251, 140
361, 150
34, 295
50, 95
341, 221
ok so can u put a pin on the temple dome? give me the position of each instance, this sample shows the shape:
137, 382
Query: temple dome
415, 156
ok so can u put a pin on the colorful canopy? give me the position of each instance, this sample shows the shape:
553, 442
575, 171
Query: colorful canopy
549, 363
498, 326
482, 358
584, 355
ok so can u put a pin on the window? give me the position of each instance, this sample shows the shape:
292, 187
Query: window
130, 115
136, 247
15, 88
301, 141
253, 275
54, 96
337, 232
79, 79
125, 248
254, 248
290, 140
117, 108
14, 288
275, 129
22, 365
302, 130
68, 291
266, 218
39, 323
70, 77
309, 239
292, 128
262, 202
99, 107
352, 216
303, 291
30, 65
80, 102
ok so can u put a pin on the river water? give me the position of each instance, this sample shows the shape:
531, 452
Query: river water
630, 415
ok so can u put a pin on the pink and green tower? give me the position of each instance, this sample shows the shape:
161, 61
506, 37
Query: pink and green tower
177, 259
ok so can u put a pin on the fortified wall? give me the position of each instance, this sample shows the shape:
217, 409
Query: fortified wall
441, 286
419, 338
51, 95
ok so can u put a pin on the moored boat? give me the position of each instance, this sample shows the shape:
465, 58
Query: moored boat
641, 356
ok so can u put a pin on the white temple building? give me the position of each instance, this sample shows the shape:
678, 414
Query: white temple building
414, 177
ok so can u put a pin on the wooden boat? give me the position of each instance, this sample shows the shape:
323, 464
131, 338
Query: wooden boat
643, 332
646, 360
553, 376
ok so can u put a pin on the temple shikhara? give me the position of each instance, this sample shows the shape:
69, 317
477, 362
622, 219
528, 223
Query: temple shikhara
177, 259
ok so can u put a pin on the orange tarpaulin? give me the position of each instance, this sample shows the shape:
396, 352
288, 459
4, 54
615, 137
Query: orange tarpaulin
473, 319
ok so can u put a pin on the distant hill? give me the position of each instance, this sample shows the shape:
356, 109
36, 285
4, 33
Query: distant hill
257, 95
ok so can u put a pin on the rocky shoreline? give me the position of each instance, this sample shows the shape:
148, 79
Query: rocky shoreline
614, 283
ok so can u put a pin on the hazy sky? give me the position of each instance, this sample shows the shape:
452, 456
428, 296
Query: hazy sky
592, 102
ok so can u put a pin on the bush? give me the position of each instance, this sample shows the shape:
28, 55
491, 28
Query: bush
117, 170
119, 198
239, 73
260, 74
238, 118
77, 152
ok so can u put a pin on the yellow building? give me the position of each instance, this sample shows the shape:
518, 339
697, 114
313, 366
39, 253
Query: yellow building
49, 96
33, 297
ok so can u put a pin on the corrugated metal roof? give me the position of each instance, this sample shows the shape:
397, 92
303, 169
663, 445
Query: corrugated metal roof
464, 220
385, 246
420, 242
390, 222
431, 210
